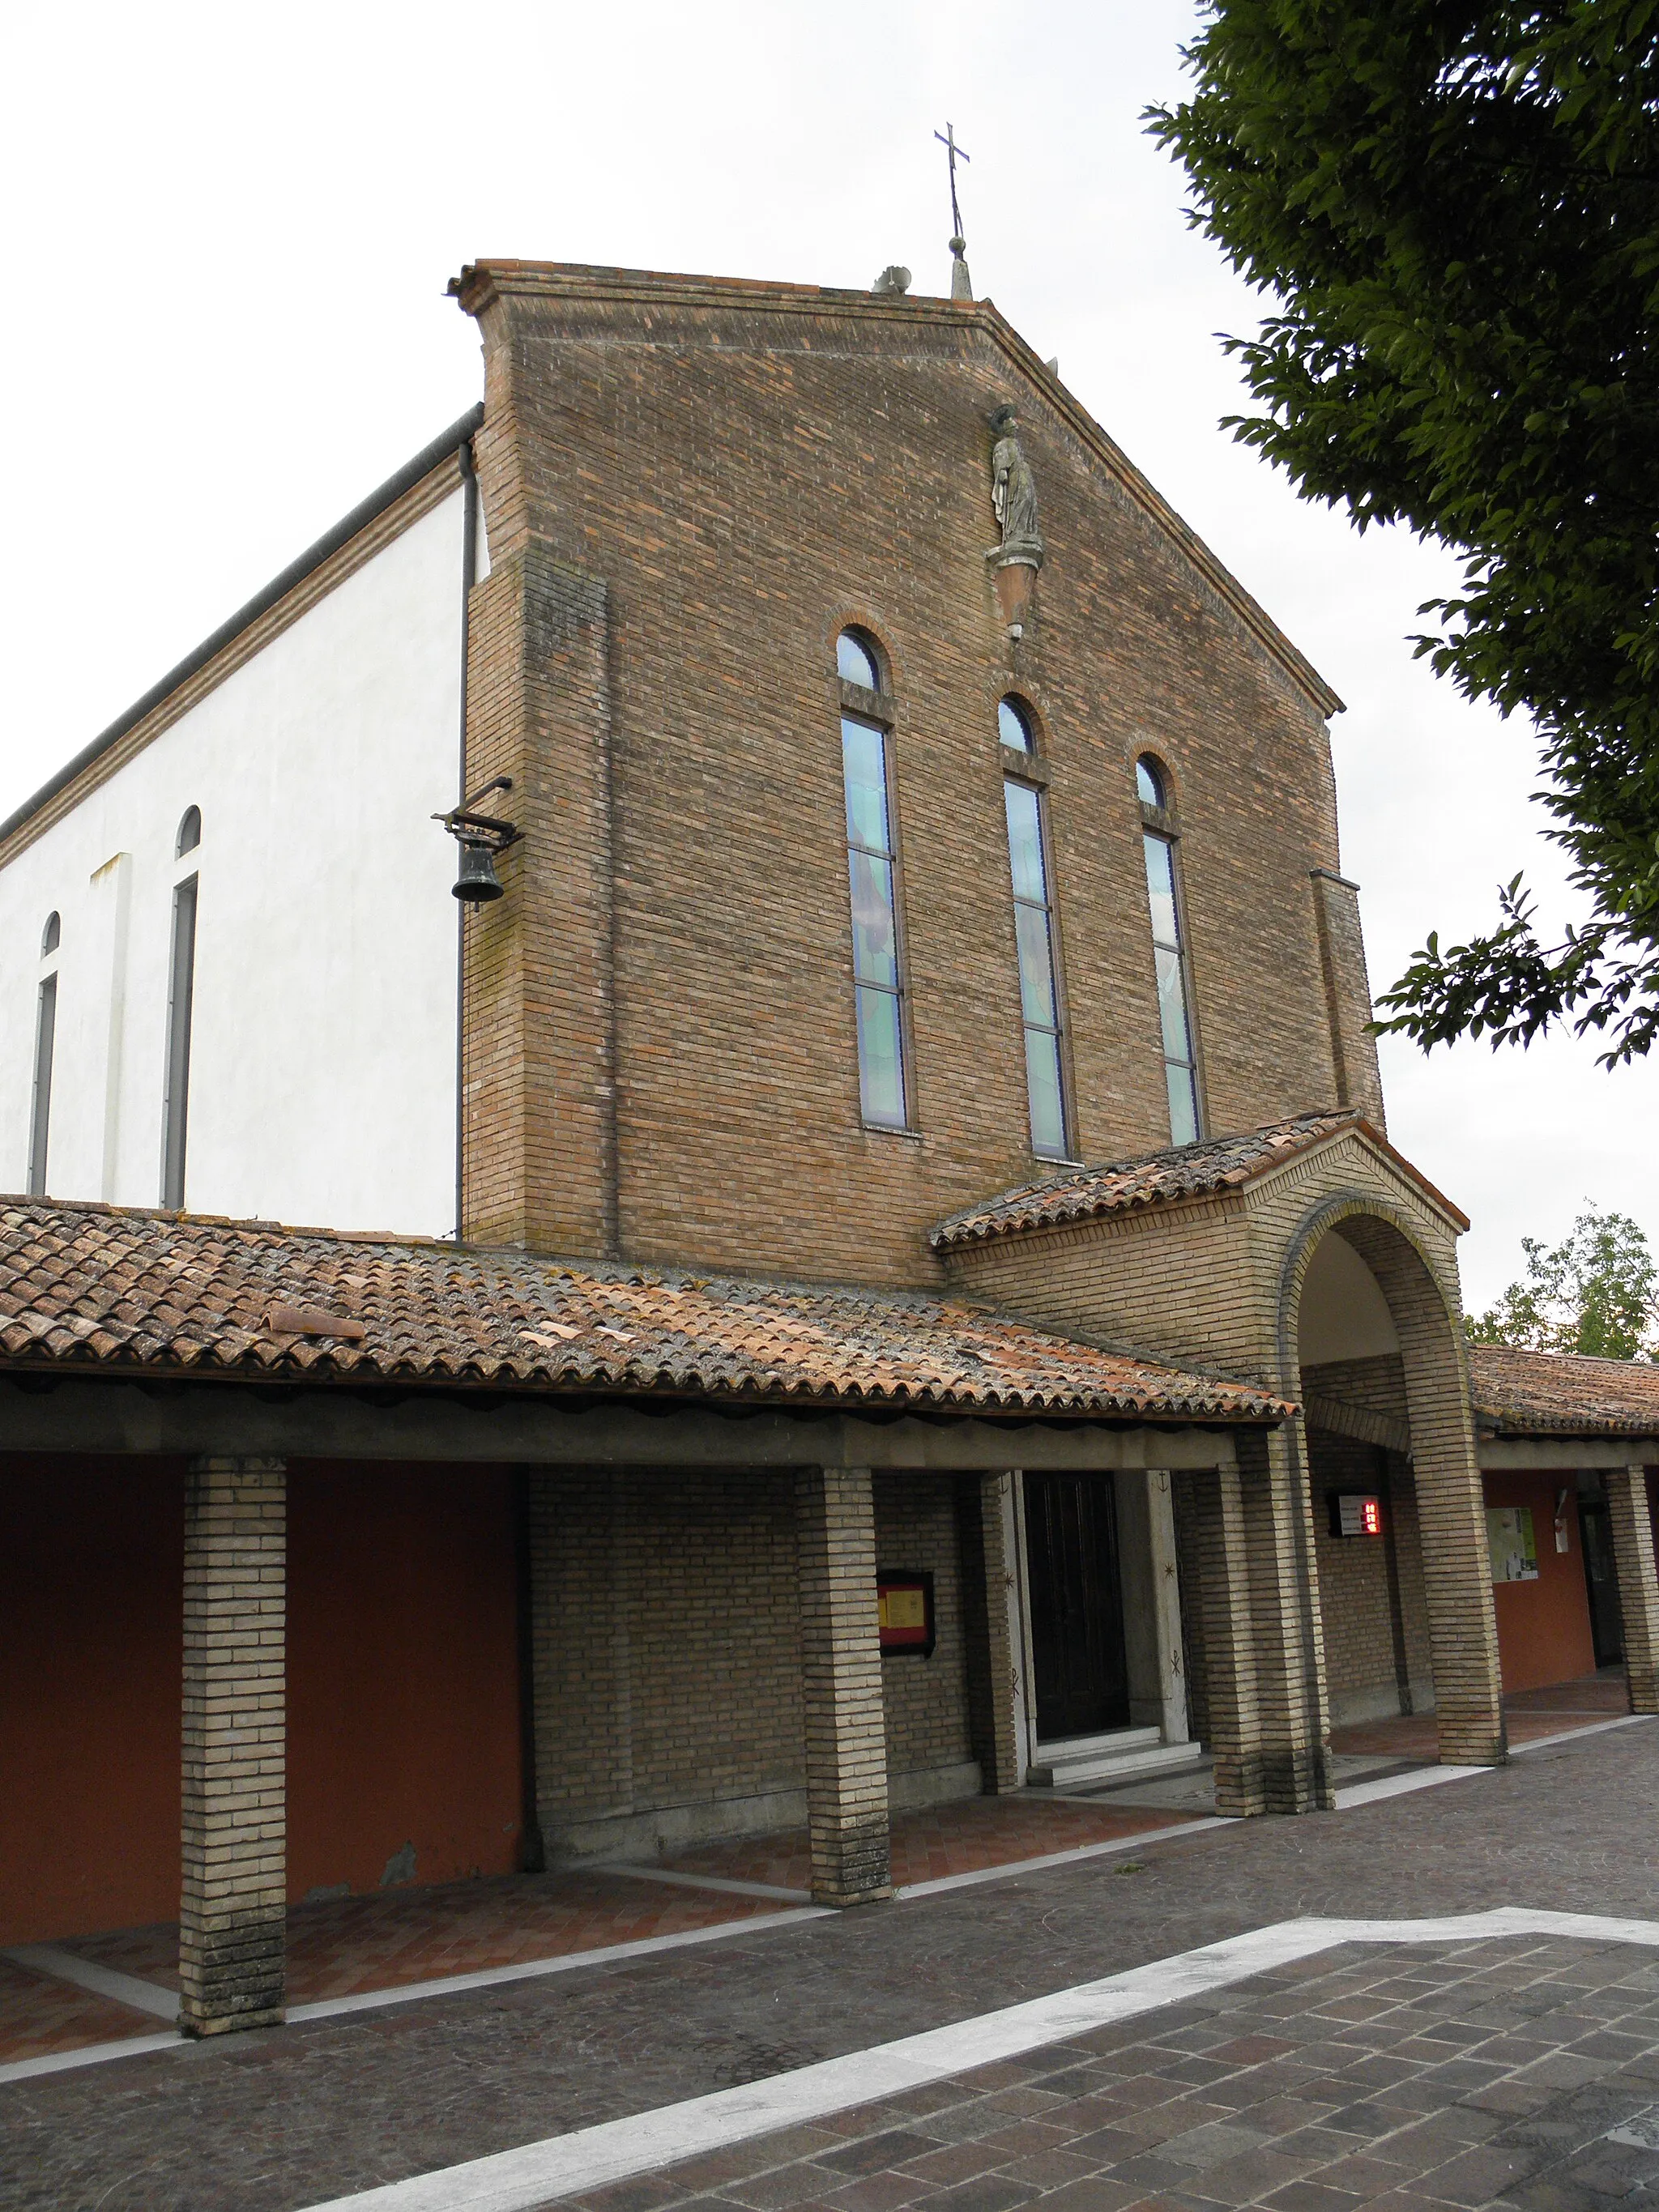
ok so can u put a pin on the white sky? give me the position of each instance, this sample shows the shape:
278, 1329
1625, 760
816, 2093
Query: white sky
228, 233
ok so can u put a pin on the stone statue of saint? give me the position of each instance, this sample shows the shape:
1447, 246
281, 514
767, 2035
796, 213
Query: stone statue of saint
1013, 488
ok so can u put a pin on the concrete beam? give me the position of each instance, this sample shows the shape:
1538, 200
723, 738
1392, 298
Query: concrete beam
1565, 1454
336, 1424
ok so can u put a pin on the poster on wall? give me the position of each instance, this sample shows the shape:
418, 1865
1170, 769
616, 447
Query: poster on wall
1509, 1540
904, 1613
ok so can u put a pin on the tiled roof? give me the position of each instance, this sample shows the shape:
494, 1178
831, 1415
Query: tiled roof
1152, 1179
1526, 1392
85, 1286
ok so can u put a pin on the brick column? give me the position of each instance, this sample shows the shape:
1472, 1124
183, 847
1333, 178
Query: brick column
1457, 1585
1638, 1583
1229, 1653
984, 1525
1289, 1667
841, 1681
232, 1929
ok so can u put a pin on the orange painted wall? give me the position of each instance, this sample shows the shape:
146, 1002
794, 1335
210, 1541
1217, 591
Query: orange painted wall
1543, 1627
402, 1683
91, 1645
403, 1673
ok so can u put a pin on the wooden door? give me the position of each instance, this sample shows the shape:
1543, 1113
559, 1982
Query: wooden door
1076, 1611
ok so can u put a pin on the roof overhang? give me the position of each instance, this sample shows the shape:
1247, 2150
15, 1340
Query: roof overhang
122, 1415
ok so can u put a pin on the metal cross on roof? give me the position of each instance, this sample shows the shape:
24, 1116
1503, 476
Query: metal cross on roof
947, 138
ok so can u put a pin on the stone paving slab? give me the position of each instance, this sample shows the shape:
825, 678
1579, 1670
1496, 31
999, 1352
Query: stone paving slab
279, 2120
1521, 2073
39, 2014
349, 1944
962, 1838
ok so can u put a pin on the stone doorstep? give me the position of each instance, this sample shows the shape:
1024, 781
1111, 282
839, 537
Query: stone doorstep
1120, 1755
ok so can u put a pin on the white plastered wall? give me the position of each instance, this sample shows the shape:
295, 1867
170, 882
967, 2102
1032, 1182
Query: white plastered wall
322, 1084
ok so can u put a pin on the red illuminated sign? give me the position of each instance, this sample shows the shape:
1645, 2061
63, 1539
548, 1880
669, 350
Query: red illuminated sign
1356, 1513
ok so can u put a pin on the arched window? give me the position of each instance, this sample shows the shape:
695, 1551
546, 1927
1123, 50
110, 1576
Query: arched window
1158, 839
1014, 726
873, 875
856, 661
1025, 806
190, 833
45, 1036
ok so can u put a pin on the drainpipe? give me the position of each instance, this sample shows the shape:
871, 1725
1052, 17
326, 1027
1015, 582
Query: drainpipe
469, 577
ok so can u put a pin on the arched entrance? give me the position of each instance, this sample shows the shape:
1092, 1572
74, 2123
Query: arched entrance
1372, 1347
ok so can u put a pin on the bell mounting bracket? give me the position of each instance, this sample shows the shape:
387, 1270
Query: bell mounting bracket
470, 828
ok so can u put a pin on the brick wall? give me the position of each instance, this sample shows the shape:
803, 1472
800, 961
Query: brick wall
1377, 1651
666, 1649
705, 484
667, 1655
926, 1700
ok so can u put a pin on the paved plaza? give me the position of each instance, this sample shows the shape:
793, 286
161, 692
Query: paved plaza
1518, 2069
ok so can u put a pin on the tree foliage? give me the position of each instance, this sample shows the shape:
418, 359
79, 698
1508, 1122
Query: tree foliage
1457, 208
1597, 1293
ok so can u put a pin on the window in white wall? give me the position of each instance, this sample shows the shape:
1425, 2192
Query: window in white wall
180, 993
46, 1033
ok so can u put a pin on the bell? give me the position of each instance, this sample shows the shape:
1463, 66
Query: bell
477, 882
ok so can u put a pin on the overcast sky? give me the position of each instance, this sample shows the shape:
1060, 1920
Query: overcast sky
228, 234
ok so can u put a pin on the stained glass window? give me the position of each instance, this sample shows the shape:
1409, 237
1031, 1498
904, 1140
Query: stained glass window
1039, 995
871, 870
855, 661
870, 863
1180, 1062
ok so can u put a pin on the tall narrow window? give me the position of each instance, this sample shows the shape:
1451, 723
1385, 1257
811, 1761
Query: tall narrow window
1034, 939
46, 1035
872, 871
1169, 952
871, 864
180, 993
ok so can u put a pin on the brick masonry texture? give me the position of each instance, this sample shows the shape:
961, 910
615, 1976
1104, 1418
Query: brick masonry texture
666, 1634
235, 1788
1217, 1278
842, 1687
1371, 1589
1639, 1588
704, 484
925, 1700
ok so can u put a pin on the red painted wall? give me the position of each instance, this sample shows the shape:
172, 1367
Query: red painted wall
403, 1673
1543, 1627
402, 1683
91, 1642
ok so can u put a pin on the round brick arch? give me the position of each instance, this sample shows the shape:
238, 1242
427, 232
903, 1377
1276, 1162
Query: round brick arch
1456, 1574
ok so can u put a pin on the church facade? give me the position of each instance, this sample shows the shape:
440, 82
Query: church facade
874, 1270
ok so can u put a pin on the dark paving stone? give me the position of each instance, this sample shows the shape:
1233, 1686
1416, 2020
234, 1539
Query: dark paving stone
874, 2152
275, 2122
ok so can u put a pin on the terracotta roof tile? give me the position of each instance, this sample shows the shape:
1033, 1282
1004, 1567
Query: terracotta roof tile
1553, 1392
1152, 1179
94, 1286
